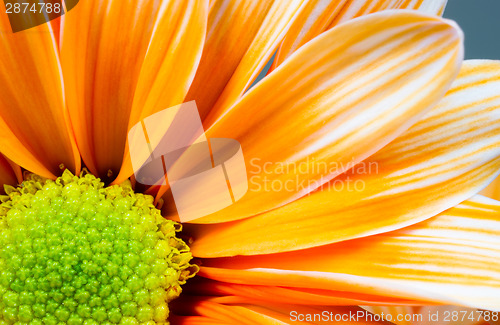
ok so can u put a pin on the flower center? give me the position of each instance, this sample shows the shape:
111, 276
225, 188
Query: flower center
75, 252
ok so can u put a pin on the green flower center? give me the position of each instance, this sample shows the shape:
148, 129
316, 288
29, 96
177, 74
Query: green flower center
75, 252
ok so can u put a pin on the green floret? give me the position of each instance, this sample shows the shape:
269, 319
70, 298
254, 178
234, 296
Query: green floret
74, 252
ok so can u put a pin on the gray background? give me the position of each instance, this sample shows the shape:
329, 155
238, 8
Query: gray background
480, 21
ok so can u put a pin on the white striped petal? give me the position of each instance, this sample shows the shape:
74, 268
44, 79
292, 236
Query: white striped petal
444, 159
319, 16
453, 258
339, 99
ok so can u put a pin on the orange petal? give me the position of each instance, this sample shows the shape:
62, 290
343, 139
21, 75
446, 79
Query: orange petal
7, 174
450, 259
493, 189
310, 111
122, 60
273, 313
340, 98
177, 52
242, 36
194, 320
260, 294
35, 130
56, 28
442, 160
18, 172
319, 16
231, 314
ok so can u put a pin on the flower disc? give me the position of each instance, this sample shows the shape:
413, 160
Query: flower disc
75, 252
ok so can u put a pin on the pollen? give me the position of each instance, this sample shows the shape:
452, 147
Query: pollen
75, 252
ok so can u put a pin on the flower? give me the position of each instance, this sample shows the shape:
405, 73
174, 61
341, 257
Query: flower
388, 90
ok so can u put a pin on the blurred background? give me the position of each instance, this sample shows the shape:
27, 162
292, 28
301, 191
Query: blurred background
480, 21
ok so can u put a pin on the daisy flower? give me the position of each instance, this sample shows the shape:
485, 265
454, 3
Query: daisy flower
382, 95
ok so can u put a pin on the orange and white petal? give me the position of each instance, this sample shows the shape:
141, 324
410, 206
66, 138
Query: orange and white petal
353, 9
319, 16
493, 189
444, 159
340, 98
35, 131
242, 36
122, 60
450, 259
